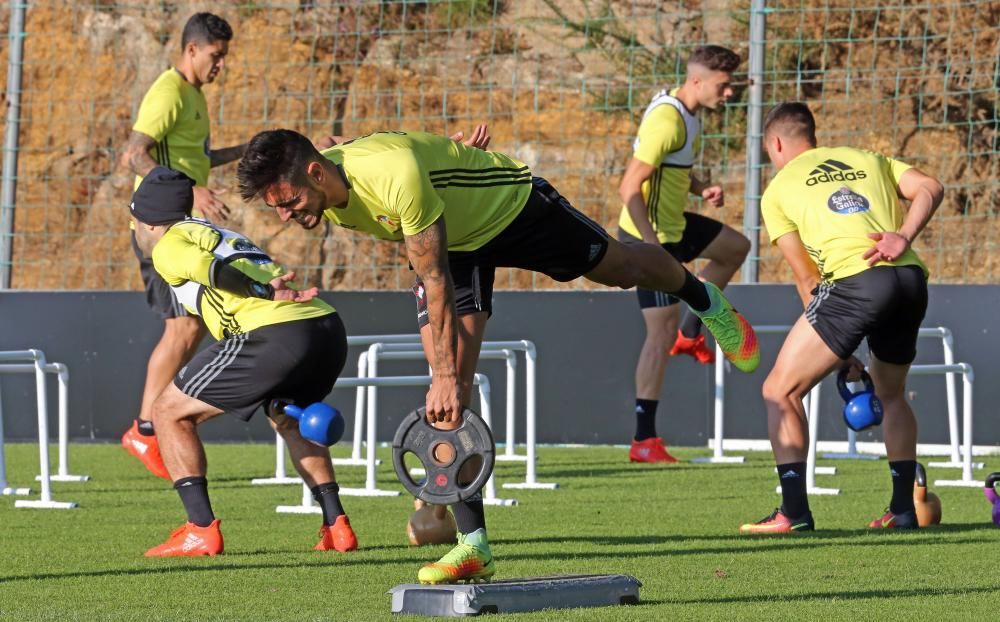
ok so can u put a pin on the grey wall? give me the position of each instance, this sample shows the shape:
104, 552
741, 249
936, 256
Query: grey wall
587, 344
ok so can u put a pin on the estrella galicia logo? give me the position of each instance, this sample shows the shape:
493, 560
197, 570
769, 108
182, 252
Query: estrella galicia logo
245, 246
833, 170
846, 201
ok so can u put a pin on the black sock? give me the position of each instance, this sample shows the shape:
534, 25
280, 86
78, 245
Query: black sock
693, 292
691, 326
645, 419
469, 515
792, 476
328, 498
145, 427
194, 496
903, 472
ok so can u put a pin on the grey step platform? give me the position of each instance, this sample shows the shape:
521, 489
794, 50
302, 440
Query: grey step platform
507, 596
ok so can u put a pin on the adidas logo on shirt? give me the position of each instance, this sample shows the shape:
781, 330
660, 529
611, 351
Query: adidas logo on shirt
833, 170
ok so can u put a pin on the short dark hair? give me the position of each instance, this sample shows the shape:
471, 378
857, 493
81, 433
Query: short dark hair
271, 157
715, 57
204, 28
792, 119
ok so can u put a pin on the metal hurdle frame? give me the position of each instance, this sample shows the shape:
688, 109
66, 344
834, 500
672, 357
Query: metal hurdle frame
949, 369
280, 472
371, 489
33, 361
411, 342
948, 353
491, 350
947, 342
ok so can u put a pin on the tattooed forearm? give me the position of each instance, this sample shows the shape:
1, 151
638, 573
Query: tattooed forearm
428, 253
135, 156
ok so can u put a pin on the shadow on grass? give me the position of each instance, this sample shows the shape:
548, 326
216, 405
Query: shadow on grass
799, 539
743, 545
921, 593
218, 566
592, 469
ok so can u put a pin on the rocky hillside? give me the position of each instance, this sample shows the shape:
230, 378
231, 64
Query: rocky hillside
559, 81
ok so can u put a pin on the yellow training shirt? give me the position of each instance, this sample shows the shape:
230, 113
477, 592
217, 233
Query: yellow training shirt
184, 257
401, 182
669, 139
175, 115
834, 197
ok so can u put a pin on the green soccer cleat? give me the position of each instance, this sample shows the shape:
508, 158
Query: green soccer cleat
469, 562
731, 330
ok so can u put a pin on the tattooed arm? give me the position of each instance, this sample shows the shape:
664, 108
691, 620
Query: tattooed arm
428, 253
135, 156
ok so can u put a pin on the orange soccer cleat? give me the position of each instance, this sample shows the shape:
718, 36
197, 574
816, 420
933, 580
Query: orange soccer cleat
146, 449
650, 450
905, 520
190, 540
337, 537
694, 347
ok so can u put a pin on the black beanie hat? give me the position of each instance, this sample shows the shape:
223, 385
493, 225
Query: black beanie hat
164, 197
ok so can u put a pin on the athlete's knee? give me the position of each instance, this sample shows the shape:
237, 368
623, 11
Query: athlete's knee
166, 407
185, 329
742, 248
623, 265
779, 388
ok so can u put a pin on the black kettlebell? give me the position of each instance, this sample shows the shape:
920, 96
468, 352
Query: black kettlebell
863, 409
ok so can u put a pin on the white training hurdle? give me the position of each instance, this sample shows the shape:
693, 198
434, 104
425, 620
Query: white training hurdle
371, 489
402, 346
949, 370
33, 361
490, 350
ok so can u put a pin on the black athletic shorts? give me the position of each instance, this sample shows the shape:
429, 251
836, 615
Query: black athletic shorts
548, 236
159, 296
884, 303
699, 231
298, 361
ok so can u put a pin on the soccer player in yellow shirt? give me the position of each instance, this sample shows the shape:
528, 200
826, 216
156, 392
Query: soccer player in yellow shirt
835, 213
273, 342
172, 130
654, 190
461, 213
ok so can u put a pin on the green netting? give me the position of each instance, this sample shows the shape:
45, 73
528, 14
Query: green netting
562, 84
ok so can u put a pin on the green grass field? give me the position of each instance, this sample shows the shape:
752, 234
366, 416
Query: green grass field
672, 527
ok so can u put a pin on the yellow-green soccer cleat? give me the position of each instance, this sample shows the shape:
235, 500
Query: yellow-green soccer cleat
731, 330
469, 562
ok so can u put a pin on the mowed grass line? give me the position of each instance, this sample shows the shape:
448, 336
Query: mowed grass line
672, 527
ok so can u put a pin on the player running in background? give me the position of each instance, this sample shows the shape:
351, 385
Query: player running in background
172, 130
654, 190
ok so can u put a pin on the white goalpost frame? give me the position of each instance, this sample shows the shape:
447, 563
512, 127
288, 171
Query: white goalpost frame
33, 361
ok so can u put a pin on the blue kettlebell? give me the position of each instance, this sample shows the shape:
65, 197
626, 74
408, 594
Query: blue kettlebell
318, 423
862, 410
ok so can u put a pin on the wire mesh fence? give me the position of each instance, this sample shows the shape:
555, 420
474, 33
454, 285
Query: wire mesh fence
561, 83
